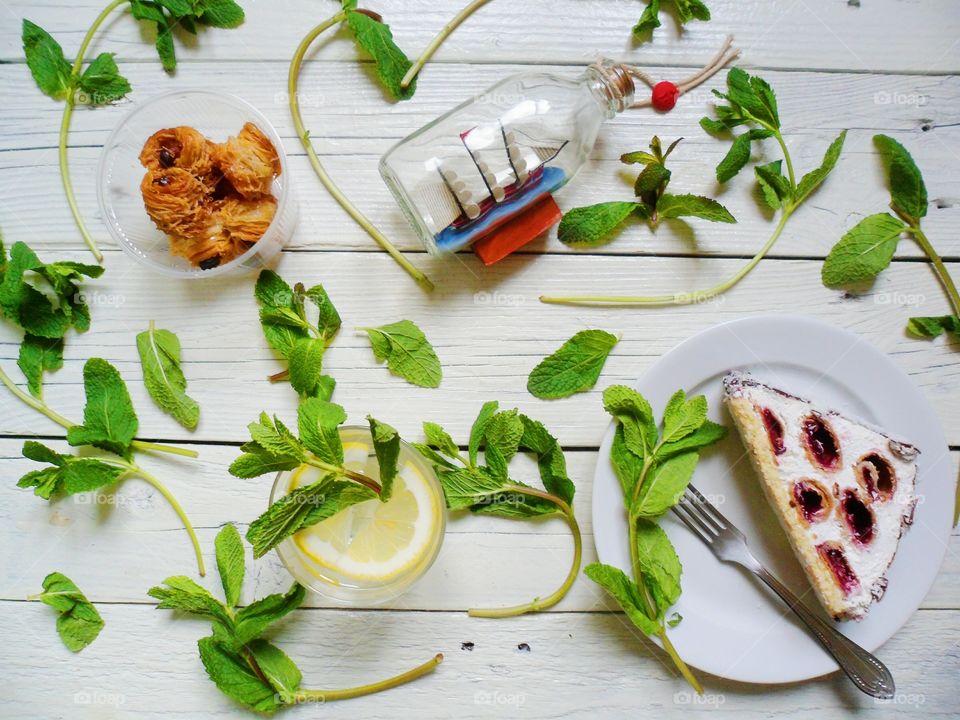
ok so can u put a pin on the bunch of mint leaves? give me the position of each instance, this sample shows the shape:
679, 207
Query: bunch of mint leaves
246, 667
44, 300
273, 448
867, 249
487, 488
654, 466
594, 225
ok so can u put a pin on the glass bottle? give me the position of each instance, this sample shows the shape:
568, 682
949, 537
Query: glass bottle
484, 172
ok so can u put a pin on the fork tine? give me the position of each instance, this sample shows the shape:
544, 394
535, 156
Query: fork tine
718, 516
694, 522
696, 508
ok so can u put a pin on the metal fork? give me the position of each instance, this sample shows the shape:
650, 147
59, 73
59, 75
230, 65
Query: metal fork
729, 545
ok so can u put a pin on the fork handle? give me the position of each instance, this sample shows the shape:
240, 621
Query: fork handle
865, 670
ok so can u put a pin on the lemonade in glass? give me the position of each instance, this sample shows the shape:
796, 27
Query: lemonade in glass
372, 551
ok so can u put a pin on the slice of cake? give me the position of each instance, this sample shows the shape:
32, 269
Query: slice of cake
844, 491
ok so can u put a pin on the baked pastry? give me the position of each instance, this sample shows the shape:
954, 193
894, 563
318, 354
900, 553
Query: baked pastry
249, 161
843, 491
212, 201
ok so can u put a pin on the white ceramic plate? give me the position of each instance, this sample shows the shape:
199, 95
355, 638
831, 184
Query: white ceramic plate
732, 626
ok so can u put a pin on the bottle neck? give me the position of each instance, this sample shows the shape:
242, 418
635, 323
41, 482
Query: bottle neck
612, 86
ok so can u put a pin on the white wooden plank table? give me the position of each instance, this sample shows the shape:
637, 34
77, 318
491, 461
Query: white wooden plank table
882, 67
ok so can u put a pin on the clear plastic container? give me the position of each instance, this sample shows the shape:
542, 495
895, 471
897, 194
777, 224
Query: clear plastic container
298, 554
493, 158
216, 115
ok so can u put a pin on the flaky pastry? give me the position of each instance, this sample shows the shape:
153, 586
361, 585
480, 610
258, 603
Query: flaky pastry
249, 161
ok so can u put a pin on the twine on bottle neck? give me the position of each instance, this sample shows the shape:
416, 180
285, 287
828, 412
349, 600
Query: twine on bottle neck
614, 75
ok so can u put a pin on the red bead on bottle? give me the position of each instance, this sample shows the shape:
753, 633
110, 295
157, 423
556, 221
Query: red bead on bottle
665, 95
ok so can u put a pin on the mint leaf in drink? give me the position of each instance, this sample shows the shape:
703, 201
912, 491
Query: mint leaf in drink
160, 358
101, 83
675, 206
574, 367
78, 622
864, 251
230, 562
386, 446
907, 189
304, 507
46, 61
236, 678
374, 36
932, 327
625, 592
407, 352
319, 425
68, 474
594, 225
109, 421
811, 181
39, 355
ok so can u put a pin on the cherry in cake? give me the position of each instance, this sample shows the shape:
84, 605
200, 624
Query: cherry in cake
842, 490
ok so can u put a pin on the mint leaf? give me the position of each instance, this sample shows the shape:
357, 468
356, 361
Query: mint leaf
160, 358
625, 592
392, 64
739, 153
273, 448
39, 355
633, 412
230, 562
219, 13
774, 187
440, 439
665, 485
46, 62
706, 435
503, 433
407, 352
649, 20
659, 565
433, 456
69, 475
907, 189
280, 671
809, 182
688, 10
306, 366
627, 466
594, 225
319, 425
78, 622
257, 461
303, 508
109, 421
674, 206
864, 251
932, 327
487, 411
253, 620
101, 83
184, 595
574, 367
465, 487
328, 319
654, 177
550, 459
682, 417
638, 157
235, 679
386, 446
281, 316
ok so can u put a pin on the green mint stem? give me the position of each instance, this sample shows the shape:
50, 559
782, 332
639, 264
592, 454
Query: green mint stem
941, 270
351, 474
65, 128
538, 604
66, 424
438, 41
302, 696
684, 298
422, 280
786, 156
155, 482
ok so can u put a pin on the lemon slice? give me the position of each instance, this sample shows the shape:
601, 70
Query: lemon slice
372, 541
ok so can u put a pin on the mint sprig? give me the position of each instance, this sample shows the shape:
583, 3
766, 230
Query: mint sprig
245, 667
273, 447
101, 83
487, 488
867, 249
654, 466
595, 225
751, 103
78, 622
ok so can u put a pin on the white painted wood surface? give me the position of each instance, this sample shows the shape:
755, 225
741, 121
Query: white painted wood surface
883, 67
